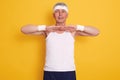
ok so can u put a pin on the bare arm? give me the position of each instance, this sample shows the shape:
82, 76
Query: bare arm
88, 31
31, 29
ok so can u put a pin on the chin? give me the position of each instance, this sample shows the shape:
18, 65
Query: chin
60, 21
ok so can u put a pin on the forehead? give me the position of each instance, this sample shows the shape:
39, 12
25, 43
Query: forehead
60, 10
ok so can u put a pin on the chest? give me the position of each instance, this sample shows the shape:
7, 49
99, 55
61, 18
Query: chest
61, 32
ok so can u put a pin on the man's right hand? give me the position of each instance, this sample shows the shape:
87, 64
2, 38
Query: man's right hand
54, 28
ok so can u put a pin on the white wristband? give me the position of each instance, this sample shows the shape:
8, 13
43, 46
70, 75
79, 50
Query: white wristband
41, 27
80, 27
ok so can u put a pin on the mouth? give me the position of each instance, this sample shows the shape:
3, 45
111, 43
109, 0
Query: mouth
60, 18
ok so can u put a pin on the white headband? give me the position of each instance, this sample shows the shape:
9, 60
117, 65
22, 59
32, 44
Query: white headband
61, 7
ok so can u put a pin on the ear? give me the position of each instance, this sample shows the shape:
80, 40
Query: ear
67, 15
53, 15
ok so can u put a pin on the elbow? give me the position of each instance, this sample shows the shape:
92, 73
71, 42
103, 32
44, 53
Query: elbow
23, 30
96, 33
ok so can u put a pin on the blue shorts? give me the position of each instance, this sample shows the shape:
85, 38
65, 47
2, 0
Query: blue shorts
51, 75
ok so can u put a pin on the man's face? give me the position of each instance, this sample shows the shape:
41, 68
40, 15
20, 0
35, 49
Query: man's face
60, 15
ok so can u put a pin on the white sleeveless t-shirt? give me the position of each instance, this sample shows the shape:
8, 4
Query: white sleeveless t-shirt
59, 52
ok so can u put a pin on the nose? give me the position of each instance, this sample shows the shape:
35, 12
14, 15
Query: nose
60, 13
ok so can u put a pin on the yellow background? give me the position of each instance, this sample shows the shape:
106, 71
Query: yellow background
22, 56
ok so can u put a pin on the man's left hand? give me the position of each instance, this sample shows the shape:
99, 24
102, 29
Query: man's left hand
70, 28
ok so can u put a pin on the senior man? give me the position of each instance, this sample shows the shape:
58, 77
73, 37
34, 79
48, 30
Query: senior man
59, 61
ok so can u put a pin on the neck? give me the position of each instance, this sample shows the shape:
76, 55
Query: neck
60, 24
